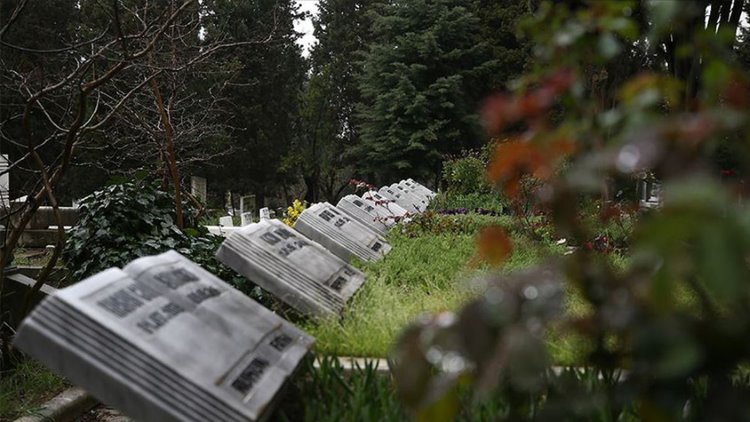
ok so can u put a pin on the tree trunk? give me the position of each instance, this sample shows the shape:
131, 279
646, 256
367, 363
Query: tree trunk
313, 188
171, 156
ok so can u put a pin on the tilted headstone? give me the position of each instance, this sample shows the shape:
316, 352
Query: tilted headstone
419, 202
226, 221
265, 213
414, 191
420, 187
375, 218
298, 271
344, 237
164, 340
395, 213
395, 195
198, 188
246, 218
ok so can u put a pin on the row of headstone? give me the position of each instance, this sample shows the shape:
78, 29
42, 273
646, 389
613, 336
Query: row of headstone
164, 340
309, 268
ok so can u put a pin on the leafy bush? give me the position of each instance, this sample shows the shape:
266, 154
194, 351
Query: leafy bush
125, 221
431, 222
491, 201
466, 174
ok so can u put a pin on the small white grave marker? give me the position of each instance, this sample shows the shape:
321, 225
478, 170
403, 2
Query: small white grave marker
265, 213
226, 221
246, 218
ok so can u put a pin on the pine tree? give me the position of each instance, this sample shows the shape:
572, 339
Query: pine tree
264, 95
419, 86
342, 28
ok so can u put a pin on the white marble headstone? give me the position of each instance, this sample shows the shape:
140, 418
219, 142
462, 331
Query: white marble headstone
344, 237
246, 218
164, 340
414, 191
394, 212
397, 196
298, 271
226, 221
420, 187
265, 213
419, 202
375, 218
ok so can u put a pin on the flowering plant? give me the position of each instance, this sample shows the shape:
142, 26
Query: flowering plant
293, 212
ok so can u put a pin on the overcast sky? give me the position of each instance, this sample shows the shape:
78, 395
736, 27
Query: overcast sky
305, 26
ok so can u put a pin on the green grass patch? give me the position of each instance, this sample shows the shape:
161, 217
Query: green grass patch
424, 273
488, 201
24, 389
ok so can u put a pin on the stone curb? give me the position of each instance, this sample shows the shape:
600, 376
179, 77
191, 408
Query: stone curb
65, 407
351, 363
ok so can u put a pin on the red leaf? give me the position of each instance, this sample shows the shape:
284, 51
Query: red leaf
494, 245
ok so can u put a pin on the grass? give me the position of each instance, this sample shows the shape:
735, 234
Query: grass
328, 393
488, 201
25, 388
426, 273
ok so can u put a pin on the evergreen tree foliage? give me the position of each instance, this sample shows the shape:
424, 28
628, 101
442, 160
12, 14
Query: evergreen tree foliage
342, 29
509, 52
23, 65
419, 86
263, 93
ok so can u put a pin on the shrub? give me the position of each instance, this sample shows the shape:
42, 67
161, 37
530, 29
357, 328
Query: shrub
472, 202
125, 221
466, 174
434, 223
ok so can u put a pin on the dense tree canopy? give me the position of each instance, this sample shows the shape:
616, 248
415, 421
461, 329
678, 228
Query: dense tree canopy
263, 96
420, 84
342, 29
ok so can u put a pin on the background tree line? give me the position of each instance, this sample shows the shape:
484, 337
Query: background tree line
384, 93
388, 90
